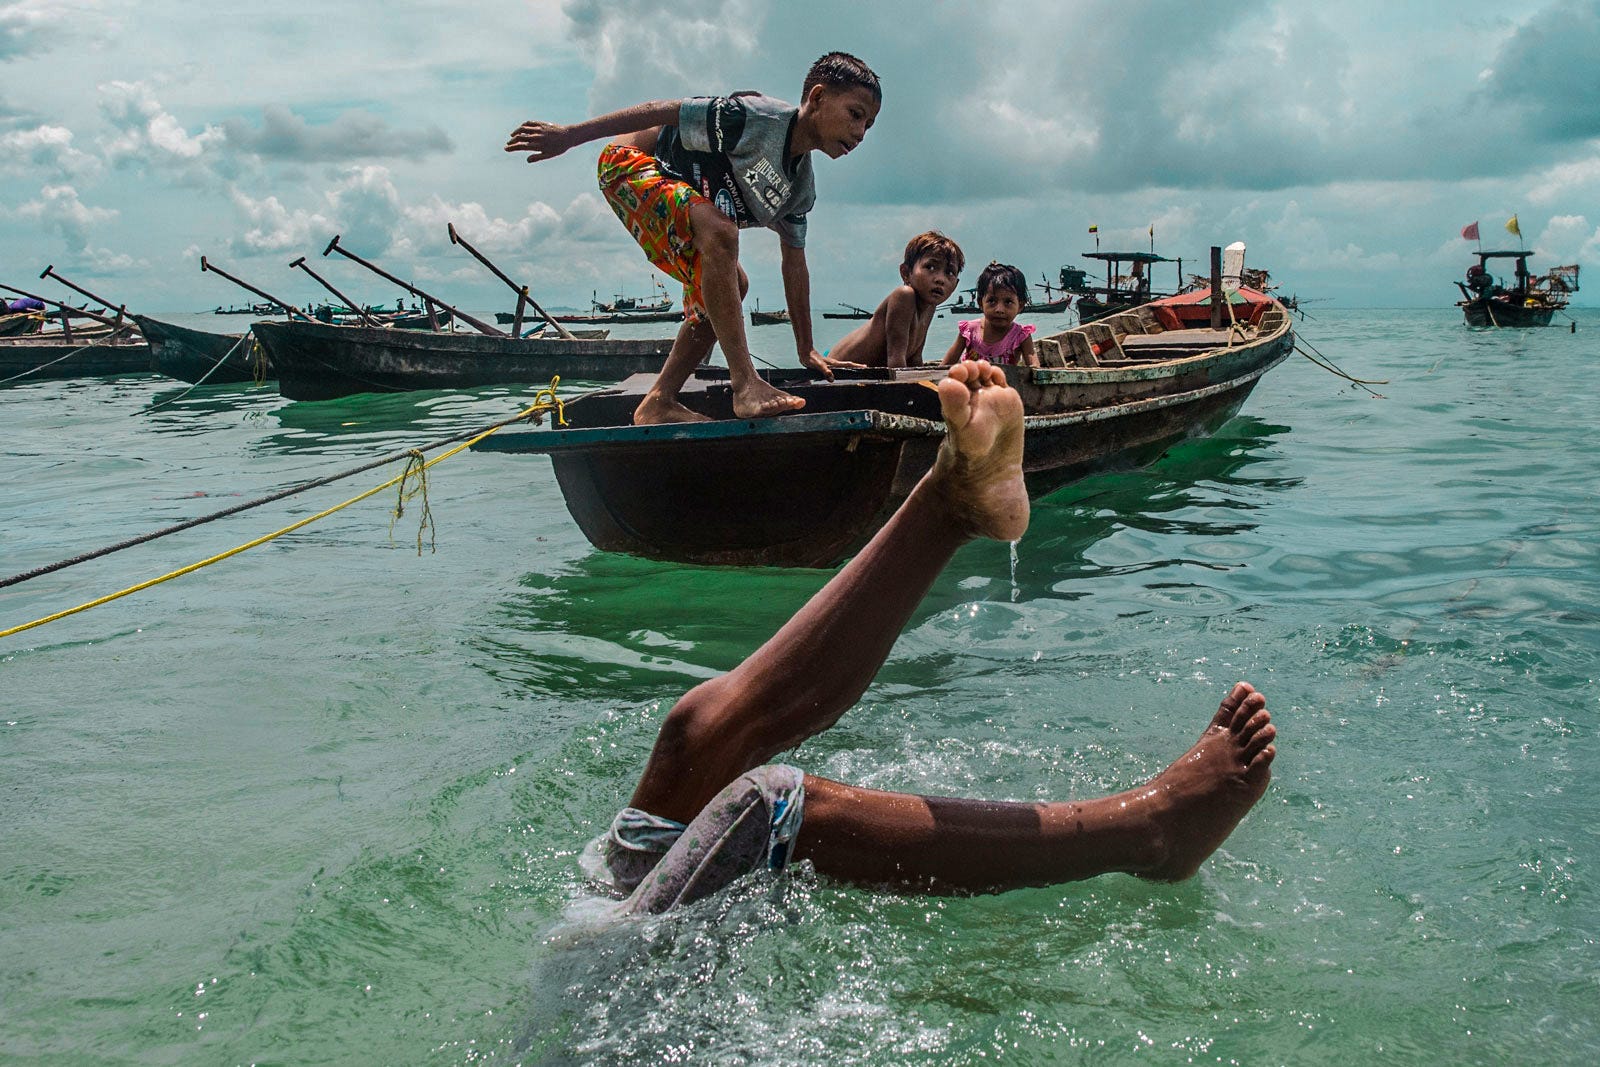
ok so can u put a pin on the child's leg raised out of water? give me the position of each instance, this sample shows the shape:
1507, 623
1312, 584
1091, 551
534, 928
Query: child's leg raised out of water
819, 663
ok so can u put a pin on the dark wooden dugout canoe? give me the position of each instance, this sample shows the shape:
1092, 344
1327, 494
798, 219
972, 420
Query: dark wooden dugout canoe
57, 358
190, 355
808, 489
318, 362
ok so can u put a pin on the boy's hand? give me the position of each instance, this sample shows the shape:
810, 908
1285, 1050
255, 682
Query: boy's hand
545, 140
825, 366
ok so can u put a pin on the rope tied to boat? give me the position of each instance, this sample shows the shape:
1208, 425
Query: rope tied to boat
544, 400
414, 483
1328, 365
202, 380
78, 351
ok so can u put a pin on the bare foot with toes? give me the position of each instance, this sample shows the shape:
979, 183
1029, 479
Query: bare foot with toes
755, 399
656, 409
979, 468
1195, 803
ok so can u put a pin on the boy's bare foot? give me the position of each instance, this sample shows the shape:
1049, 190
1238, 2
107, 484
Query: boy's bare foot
1196, 802
979, 468
656, 409
755, 399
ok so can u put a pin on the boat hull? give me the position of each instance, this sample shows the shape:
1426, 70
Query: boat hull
318, 362
1484, 312
807, 490
192, 355
20, 323
40, 360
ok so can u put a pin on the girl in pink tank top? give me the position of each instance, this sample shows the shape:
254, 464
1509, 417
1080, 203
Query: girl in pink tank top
997, 337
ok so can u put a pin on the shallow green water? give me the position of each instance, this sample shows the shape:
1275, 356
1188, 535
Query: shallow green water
322, 803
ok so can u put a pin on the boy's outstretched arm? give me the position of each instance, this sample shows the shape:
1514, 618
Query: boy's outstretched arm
546, 140
797, 295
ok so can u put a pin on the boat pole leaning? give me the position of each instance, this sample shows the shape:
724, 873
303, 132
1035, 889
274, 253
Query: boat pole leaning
523, 296
477, 324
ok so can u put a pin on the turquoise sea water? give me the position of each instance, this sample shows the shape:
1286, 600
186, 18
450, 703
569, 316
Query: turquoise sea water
322, 802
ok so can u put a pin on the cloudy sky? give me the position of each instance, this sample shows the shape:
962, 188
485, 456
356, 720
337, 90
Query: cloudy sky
1346, 142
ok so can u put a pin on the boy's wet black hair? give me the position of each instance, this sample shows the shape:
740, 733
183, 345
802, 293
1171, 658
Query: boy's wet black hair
933, 243
841, 70
1003, 276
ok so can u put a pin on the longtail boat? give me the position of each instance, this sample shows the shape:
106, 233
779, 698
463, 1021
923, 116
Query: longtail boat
32, 359
1121, 292
1527, 301
850, 312
315, 361
808, 489
190, 355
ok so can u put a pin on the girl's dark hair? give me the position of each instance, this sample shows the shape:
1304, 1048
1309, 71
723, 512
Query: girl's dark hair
841, 70
1003, 276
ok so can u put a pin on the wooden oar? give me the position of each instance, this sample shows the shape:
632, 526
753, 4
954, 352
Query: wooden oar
290, 308
345, 300
523, 296
481, 327
50, 272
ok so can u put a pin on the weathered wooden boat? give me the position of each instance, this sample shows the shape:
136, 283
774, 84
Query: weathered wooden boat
18, 323
544, 330
1121, 292
768, 318
32, 359
400, 320
246, 309
850, 312
1527, 301
808, 489
315, 361
191, 355
1050, 305
506, 318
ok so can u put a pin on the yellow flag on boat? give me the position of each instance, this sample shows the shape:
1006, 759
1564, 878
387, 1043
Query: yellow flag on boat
1511, 225
1094, 229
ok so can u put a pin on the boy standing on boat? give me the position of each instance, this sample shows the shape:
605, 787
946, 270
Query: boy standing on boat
895, 334
685, 176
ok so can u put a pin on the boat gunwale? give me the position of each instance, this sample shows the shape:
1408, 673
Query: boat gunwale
855, 421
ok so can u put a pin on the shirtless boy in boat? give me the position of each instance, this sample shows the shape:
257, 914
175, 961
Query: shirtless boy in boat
895, 334
684, 176
709, 808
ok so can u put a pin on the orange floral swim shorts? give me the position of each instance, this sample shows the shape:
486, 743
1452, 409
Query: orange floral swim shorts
655, 209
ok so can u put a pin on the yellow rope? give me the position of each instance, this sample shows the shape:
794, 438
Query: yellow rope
415, 466
544, 400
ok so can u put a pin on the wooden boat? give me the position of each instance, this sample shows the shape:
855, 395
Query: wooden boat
768, 318
506, 318
632, 305
18, 323
1050, 305
850, 312
32, 359
246, 309
400, 319
806, 490
190, 355
1121, 292
544, 330
315, 361
1528, 301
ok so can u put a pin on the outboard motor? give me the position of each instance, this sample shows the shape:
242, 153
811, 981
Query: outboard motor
1478, 279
